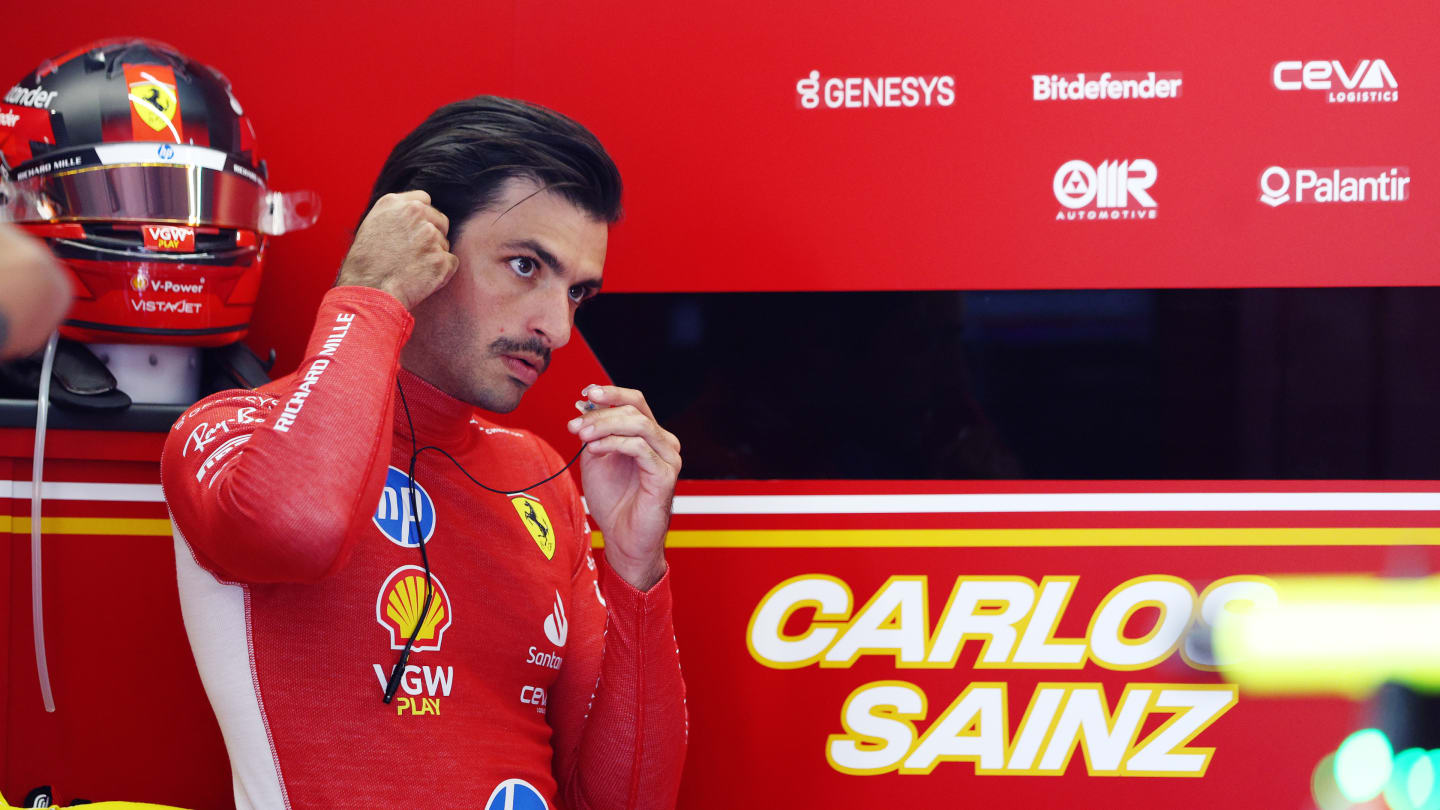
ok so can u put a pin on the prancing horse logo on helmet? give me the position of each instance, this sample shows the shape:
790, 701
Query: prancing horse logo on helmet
532, 514
153, 100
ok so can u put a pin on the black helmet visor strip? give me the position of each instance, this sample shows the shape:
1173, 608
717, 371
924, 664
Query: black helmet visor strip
145, 182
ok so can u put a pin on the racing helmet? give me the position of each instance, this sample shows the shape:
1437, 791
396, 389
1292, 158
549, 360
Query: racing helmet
138, 166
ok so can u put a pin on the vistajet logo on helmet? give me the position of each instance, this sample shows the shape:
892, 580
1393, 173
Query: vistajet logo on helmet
1105, 86
1369, 82
1115, 189
1362, 184
857, 92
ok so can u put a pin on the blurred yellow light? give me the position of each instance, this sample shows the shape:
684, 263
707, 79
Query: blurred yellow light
1335, 635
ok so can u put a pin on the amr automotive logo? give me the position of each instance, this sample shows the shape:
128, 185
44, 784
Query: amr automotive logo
1367, 82
1364, 184
1114, 189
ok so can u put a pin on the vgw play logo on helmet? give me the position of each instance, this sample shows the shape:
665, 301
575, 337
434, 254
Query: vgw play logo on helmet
170, 238
400, 603
395, 516
1116, 189
516, 794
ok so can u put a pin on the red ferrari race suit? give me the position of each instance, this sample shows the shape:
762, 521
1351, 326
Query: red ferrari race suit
538, 678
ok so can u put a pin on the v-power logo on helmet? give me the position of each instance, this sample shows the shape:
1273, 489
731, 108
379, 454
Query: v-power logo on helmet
1115, 189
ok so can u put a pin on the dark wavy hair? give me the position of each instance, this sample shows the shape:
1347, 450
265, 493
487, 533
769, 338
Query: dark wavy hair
465, 151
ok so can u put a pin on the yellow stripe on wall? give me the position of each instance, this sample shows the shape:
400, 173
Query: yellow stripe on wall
133, 527
1037, 538
892, 538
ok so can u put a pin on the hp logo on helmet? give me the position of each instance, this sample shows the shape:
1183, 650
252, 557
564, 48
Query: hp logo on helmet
395, 517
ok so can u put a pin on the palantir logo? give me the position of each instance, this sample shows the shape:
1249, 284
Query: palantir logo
394, 518
557, 629
1105, 191
516, 794
1362, 184
1274, 186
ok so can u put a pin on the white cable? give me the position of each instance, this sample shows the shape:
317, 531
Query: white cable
37, 470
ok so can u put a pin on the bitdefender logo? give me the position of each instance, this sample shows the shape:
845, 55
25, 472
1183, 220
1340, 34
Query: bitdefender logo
1365, 184
1105, 86
1115, 189
1369, 81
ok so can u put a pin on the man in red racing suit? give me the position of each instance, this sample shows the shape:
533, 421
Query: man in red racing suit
539, 677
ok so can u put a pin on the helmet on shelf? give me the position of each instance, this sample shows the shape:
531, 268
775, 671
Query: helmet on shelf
138, 166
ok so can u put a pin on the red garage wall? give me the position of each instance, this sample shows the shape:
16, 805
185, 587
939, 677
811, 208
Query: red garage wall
735, 182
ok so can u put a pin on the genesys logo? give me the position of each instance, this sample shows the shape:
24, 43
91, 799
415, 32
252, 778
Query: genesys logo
1105, 86
1369, 81
1114, 189
405, 521
401, 602
859, 92
1364, 184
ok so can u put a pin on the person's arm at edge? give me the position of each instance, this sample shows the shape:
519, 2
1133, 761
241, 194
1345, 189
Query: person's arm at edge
34, 293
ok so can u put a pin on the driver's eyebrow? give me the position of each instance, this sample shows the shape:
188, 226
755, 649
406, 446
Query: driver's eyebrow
550, 260
539, 250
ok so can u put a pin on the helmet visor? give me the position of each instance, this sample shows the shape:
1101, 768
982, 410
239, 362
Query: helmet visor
137, 182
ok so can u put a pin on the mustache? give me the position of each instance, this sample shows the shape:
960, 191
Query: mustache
533, 346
